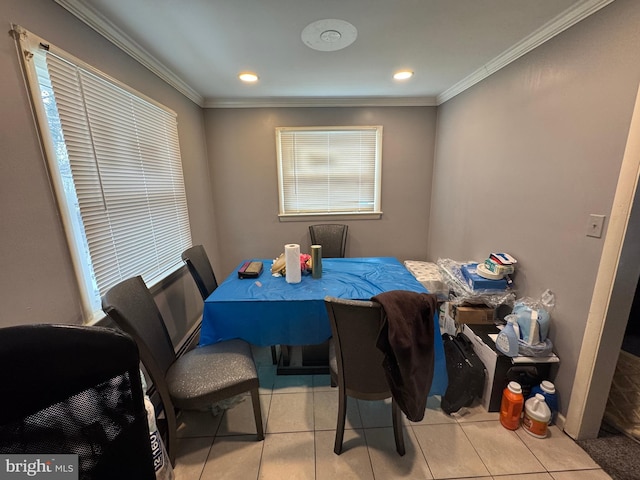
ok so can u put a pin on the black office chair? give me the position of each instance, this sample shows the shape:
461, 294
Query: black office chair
332, 237
193, 381
356, 363
199, 266
75, 390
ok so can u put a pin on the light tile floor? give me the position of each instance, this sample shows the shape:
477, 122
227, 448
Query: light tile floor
299, 413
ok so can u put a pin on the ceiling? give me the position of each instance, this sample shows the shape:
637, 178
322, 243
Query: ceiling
200, 46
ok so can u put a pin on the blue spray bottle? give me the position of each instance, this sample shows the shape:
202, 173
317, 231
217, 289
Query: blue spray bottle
507, 341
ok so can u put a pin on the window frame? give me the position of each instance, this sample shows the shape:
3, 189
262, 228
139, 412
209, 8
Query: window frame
376, 162
29, 46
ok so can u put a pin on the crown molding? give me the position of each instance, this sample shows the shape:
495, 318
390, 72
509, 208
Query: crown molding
91, 17
565, 20
275, 102
111, 32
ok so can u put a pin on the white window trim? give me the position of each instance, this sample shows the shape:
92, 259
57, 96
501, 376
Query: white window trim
28, 43
375, 213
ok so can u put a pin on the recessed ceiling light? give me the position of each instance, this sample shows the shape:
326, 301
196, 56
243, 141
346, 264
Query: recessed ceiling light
248, 77
403, 75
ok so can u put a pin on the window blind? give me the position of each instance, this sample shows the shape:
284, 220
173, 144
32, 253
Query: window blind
329, 170
118, 159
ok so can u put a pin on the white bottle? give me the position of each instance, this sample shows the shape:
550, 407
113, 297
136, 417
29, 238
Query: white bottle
536, 416
507, 341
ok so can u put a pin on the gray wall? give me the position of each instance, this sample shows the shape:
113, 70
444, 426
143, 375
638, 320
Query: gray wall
242, 152
38, 282
525, 156
521, 160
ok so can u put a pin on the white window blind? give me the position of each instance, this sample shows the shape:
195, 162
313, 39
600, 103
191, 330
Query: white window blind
329, 170
118, 173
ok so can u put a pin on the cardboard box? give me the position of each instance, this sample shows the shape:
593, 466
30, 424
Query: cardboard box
500, 369
474, 314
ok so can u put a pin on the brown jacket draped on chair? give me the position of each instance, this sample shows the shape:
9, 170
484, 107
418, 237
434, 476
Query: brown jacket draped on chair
406, 339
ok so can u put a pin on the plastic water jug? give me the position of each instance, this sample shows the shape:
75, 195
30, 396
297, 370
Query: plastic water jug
548, 391
511, 406
536, 416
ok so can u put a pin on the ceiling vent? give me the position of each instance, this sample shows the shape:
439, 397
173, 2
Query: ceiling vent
329, 35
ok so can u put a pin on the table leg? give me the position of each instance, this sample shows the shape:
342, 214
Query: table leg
304, 360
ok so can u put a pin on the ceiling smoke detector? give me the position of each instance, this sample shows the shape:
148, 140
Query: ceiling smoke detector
329, 35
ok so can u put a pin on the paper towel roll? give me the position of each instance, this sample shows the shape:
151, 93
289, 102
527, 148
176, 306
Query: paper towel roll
292, 263
316, 261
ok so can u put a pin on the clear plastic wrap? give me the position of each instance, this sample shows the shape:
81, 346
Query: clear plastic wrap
547, 301
534, 319
542, 349
463, 294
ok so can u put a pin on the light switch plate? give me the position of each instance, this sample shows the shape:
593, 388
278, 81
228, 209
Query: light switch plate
595, 226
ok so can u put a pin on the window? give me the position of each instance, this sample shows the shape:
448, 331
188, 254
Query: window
114, 159
329, 170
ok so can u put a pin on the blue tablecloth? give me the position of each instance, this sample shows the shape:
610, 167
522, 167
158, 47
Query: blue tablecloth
269, 311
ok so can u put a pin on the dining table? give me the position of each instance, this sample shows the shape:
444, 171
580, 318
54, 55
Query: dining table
268, 310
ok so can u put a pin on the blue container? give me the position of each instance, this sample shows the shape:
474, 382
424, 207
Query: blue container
548, 391
507, 341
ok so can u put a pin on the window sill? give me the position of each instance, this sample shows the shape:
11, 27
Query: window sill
304, 217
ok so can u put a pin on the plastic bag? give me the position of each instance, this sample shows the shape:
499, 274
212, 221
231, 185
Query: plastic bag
534, 317
534, 323
542, 349
463, 294
161, 462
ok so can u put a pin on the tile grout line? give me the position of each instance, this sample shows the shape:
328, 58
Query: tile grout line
410, 425
478, 453
266, 422
313, 419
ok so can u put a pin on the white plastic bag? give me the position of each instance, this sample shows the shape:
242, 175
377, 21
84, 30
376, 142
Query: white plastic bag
161, 462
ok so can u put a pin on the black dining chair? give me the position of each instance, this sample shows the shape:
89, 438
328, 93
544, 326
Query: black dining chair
356, 363
332, 237
199, 266
193, 381
75, 390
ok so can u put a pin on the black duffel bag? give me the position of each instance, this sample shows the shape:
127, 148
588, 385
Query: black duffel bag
466, 373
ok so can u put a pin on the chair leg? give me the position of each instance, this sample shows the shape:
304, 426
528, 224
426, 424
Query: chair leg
342, 414
257, 413
274, 355
397, 427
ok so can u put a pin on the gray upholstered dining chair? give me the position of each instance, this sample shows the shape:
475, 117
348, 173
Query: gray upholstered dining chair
195, 380
199, 266
356, 363
332, 237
